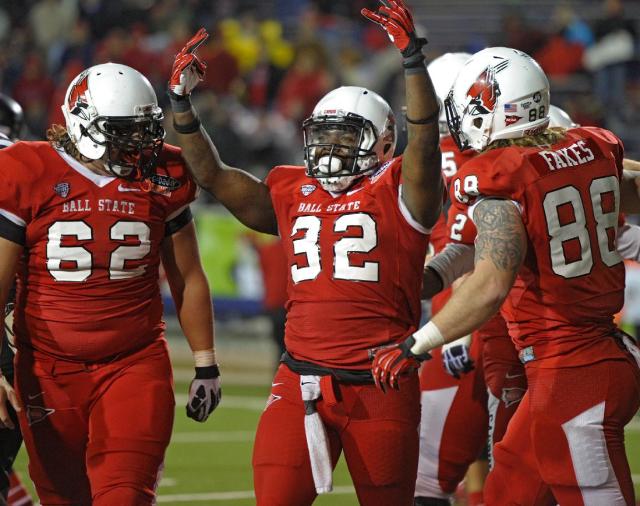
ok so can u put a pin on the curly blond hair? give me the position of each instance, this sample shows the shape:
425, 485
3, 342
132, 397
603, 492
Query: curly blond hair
59, 138
544, 139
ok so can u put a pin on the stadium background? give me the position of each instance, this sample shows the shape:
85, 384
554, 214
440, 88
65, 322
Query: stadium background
269, 62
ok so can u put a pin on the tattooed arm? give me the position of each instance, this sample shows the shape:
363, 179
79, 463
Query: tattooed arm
501, 245
500, 248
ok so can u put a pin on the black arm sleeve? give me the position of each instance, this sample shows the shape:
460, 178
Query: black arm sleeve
12, 232
175, 224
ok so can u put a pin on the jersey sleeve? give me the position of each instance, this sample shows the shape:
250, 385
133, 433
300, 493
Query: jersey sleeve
175, 176
16, 208
608, 143
460, 227
495, 174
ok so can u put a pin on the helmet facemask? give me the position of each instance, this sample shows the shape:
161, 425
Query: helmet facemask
339, 149
132, 144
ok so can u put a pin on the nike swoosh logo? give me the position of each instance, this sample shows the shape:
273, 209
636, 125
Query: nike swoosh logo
307, 383
127, 189
354, 191
31, 397
276, 384
513, 375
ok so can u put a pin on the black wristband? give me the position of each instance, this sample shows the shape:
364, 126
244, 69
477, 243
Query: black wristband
425, 121
179, 103
189, 128
209, 372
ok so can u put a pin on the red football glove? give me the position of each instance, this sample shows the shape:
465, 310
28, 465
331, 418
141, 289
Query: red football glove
187, 69
394, 17
392, 362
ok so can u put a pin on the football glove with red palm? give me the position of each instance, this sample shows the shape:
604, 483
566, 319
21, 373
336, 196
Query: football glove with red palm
188, 70
396, 19
394, 361
204, 393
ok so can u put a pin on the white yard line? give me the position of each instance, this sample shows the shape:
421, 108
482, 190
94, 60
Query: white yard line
230, 496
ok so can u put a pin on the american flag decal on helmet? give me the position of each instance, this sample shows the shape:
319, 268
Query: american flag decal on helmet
484, 92
62, 189
77, 101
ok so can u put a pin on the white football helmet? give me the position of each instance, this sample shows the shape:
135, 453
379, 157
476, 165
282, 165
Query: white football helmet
559, 118
351, 131
500, 93
443, 71
112, 113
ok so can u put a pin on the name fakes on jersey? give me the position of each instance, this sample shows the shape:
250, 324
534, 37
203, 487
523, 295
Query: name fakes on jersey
571, 156
103, 205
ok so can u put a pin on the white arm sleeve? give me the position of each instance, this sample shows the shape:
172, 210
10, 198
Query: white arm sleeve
452, 262
628, 242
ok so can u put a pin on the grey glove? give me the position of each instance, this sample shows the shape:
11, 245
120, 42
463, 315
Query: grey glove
205, 393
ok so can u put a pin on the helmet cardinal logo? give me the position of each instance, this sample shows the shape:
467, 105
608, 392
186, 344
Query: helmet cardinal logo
77, 101
484, 92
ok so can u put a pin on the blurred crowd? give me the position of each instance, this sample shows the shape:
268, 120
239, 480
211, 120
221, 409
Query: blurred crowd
271, 60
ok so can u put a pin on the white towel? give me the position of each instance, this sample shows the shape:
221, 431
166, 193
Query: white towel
317, 441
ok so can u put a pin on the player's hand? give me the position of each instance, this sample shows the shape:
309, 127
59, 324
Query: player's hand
395, 18
188, 70
456, 360
394, 361
7, 394
205, 393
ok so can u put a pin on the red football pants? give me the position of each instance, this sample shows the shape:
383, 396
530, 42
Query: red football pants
506, 384
96, 433
453, 428
377, 431
565, 444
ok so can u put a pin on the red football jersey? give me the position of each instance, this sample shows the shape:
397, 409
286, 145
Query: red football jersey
452, 160
356, 261
572, 280
88, 283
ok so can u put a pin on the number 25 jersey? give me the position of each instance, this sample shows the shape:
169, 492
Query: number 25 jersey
356, 261
88, 282
572, 280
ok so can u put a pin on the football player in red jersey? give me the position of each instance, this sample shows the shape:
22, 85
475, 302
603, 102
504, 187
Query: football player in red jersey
12, 489
545, 204
355, 226
453, 425
88, 217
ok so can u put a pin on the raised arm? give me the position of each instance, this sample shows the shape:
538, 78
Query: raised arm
423, 186
244, 195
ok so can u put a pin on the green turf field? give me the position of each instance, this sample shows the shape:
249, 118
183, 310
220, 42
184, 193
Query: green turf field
210, 463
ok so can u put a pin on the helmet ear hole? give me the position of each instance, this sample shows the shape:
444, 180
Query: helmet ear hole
477, 122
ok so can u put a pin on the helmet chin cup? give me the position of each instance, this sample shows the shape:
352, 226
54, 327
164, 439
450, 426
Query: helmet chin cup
118, 170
